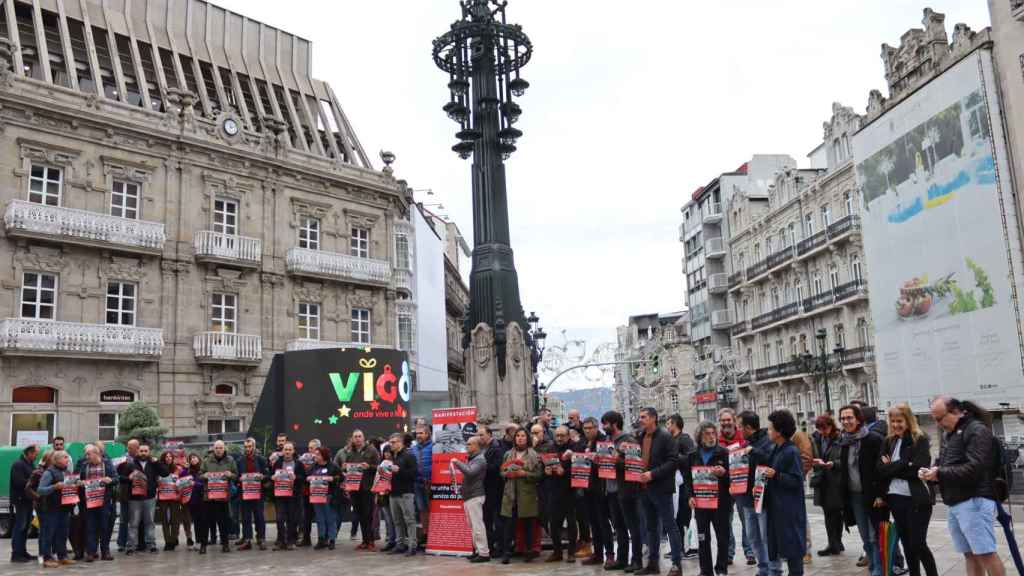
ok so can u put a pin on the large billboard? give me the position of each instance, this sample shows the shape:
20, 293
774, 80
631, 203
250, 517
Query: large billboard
941, 240
326, 394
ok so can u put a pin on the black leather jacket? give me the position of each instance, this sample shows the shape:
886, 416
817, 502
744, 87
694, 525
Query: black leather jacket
965, 462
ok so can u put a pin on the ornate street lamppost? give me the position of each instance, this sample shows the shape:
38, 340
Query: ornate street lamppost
823, 364
537, 340
483, 55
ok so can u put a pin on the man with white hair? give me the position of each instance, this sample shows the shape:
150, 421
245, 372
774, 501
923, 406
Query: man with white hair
95, 470
218, 462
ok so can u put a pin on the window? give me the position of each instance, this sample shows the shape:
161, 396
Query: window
359, 243
780, 352
775, 298
402, 252
862, 332
121, 303
223, 425
225, 216
405, 338
826, 216
767, 358
798, 287
768, 246
848, 201
32, 423
223, 312
38, 296
855, 269
757, 253
124, 200
309, 233
34, 395
839, 335
817, 283
224, 390
108, 426
44, 185
808, 225
833, 277
309, 321
361, 325
788, 294
792, 233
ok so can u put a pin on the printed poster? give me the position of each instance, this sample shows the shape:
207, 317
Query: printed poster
449, 532
139, 487
739, 469
217, 486
284, 483
94, 493
760, 483
634, 461
319, 489
606, 460
185, 485
581, 466
69, 494
705, 488
251, 489
382, 481
353, 477
167, 488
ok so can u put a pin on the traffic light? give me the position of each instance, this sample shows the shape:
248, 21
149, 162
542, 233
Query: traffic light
655, 362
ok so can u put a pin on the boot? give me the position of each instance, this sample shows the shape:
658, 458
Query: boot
555, 557
330, 544
202, 548
245, 545
593, 560
261, 544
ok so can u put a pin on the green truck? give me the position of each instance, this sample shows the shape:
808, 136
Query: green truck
10, 454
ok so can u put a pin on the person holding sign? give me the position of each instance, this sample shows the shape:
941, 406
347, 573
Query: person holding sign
97, 476
758, 451
622, 495
401, 497
219, 470
784, 503
560, 498
288, 477
323, 480
522, 471
595, 502
708, 483
168, 504
140, 475
474, 471
659, 452
54, 514
363, 457
252, 469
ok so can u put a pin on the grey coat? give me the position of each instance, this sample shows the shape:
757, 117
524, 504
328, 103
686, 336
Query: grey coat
473, 473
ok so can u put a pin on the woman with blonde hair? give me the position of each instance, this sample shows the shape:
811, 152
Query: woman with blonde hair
905, 451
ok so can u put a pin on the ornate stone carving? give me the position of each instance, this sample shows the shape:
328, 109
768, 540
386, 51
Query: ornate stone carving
120, 268
360, 298
308, 292
47, 153
482, 344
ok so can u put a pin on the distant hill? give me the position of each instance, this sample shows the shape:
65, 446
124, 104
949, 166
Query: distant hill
589, 401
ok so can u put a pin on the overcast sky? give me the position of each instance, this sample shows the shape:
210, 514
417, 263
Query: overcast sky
632, 106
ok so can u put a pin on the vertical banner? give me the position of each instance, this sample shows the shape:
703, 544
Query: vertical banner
760, 482
739, 469
449, 531
705, 488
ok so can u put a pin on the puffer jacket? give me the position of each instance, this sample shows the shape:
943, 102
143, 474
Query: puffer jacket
424, 459
965, 462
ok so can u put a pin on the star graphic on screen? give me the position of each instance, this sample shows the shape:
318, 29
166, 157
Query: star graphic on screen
333, 419
344, 411
374, 405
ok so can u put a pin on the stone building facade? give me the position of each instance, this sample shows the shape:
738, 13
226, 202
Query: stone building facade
1007, 33
182, 200
661, 370
798, 269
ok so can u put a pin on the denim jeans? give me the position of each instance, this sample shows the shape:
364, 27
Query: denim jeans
389, 523
54, 535
755, 529
140, 513
867, 534
96, 535
326, 523
252, 513
625, 516
122, 526
744, 541
19, 537
658, 508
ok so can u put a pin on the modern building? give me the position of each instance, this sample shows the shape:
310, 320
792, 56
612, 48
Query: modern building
1007, 33
798, 269
182, 200
660, 369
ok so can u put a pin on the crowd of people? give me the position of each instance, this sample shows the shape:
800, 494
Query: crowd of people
605, 495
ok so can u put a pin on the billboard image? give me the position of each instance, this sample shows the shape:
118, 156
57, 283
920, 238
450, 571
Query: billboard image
941, 240
326, 394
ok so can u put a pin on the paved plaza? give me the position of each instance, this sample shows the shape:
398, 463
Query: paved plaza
346, 560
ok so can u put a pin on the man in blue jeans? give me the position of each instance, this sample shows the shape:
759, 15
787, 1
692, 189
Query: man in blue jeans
423, 452
755, 525
21, 471
659, 451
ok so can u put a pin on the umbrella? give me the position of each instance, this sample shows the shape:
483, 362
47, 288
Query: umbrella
887, 546
1007, 521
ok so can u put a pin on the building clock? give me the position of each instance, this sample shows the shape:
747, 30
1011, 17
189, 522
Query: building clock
230, 127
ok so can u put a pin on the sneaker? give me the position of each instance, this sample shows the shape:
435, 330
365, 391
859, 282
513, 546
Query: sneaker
584, 551
751, 561
650, 570
245, 545
403, 549
593, 561
261, 544
691, 553
390, 546
862, 562
50, 564
66, 562
676, 570
899, 570
555, 557
129, 552
480, 559
106, 556
362, 546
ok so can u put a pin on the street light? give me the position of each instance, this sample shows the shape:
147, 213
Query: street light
823, 364
537, 339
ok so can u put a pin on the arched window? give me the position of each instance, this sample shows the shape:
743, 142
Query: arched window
224, 390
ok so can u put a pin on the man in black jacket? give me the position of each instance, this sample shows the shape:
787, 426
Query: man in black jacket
622, 500
965, 480
403, 506
250, 462
759, 450
660, 453
141, 507
494, 485
860, 456
21, 470
686, 446
595, 504
561, 502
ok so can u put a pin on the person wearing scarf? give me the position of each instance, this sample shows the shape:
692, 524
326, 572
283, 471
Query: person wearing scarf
712, 454
863, 506
826, 482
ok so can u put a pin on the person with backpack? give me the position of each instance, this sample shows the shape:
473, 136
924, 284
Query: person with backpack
965, 475
21, 472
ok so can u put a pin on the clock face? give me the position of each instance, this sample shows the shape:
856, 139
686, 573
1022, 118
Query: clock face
230, 127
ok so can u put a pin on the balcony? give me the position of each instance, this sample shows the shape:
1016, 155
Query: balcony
780, 257
777, 315
859, 356
1017, 9
311, 344
714, 248
682, 232
842, 227
817, 301
713, 213
403, 280
808, 245
30, 337
757, 269
227, 348
735, 279
718, 283
68, 225
849, 290
721, 319
336, 266
740, 327
228, 249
